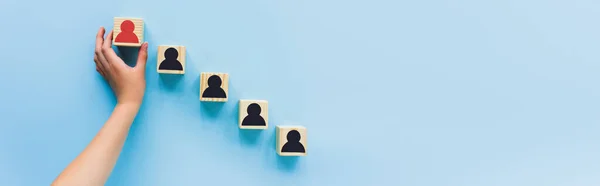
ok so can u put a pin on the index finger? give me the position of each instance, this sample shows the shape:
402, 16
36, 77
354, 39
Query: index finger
99, 39
108, 52
108, 40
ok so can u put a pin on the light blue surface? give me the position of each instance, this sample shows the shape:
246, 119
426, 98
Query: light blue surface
392, 92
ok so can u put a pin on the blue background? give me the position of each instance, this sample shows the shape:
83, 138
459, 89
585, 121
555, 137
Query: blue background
392, 92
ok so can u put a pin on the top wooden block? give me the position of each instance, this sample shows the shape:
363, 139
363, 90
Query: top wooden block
128, 32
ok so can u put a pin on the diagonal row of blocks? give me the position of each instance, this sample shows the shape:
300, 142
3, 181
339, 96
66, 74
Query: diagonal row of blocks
214, 87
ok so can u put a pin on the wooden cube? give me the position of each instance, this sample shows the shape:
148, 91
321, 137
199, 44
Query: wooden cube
254, 114
171, 59
128, 32
214, 86
291, 140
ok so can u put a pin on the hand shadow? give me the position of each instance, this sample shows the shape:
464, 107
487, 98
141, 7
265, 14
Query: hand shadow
128, 54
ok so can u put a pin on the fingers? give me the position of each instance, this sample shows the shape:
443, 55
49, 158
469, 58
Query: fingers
96, 60
108, 41
98, 64
99, 39
107, 50
98, 56
99, 68
142, 56
100, 71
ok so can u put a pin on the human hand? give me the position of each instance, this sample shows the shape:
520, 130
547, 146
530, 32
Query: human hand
128, 83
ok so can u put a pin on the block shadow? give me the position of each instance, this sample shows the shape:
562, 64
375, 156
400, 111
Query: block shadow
284, 163
247, 136
250, 136
211, 109
287, 163
170, 81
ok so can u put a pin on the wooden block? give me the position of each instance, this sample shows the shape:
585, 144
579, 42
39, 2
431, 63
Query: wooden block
171, 59
254, 114
291, 140
214, 86
128, 32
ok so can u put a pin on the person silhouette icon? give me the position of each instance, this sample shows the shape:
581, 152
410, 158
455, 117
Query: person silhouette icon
254, 118
126, 35
171, 62
214, 89
293, 143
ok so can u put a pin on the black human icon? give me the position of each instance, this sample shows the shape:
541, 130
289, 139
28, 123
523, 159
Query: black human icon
254, 118
214, 89
293, 142
171, 62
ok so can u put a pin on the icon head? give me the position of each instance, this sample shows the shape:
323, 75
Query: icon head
127, 26
171, 53
293, 136
253, 109
214, 81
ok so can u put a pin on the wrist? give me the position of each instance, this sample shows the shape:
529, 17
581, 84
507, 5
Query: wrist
129, 106
123, 114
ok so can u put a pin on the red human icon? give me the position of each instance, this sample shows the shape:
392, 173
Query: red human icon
126, 35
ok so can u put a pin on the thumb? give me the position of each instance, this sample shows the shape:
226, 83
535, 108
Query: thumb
142, 56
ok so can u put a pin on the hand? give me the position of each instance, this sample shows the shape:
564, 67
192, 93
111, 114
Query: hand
128, 83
